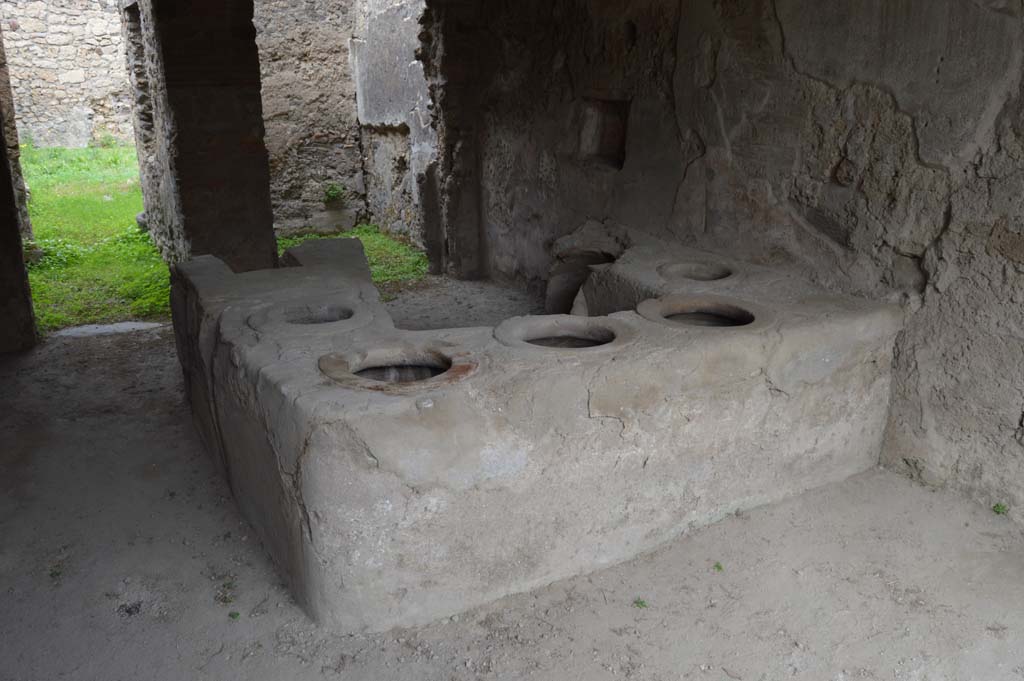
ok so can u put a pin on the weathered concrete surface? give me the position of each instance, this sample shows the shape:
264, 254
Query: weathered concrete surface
90, 330
389, 80
443, 303
113, 516
395, 504
875, 146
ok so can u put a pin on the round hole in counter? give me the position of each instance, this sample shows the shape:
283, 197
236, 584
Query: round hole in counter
569, 341
564, 333
595, 338
695, 271
401, 373
396, 369
404, 368
317, 314
709, 314
704, 311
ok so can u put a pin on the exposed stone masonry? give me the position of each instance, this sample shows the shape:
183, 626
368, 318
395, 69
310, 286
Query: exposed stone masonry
329, 169
346, 111
309, 106
67, 69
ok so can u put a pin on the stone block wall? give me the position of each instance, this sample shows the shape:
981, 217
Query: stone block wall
68, 71
876, 146
309, 105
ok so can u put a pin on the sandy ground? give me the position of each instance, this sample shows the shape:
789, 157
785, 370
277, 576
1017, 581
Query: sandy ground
122, 556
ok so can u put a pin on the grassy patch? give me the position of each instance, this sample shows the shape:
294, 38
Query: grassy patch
391, 261
96, 267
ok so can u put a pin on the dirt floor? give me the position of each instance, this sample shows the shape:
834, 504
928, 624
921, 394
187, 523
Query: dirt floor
443, 303
122, 556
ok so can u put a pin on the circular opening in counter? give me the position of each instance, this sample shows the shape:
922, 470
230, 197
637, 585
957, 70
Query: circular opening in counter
406, 370
694, 271
709, 314
574, 341
696, 311
578, 338
566, 333
317, 314
399, 370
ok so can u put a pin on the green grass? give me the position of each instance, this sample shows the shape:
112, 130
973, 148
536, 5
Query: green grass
391, 261
97, 267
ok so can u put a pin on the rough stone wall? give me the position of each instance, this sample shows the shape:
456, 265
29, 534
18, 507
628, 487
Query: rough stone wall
147, 126
345, 106
876, 146
67, 68
309, 105
8, 121
158, 175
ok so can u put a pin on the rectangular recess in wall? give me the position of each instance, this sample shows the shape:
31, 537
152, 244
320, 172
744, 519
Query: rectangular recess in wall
603, 127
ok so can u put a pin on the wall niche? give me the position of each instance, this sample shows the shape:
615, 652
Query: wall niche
603, 126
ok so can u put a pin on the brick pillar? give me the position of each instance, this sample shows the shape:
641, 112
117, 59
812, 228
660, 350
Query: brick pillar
211, 87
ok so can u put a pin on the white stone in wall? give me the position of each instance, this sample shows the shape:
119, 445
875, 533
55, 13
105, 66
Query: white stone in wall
76, 76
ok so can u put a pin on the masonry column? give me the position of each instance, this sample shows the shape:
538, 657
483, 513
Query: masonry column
17, 324
12, 145
211, 85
